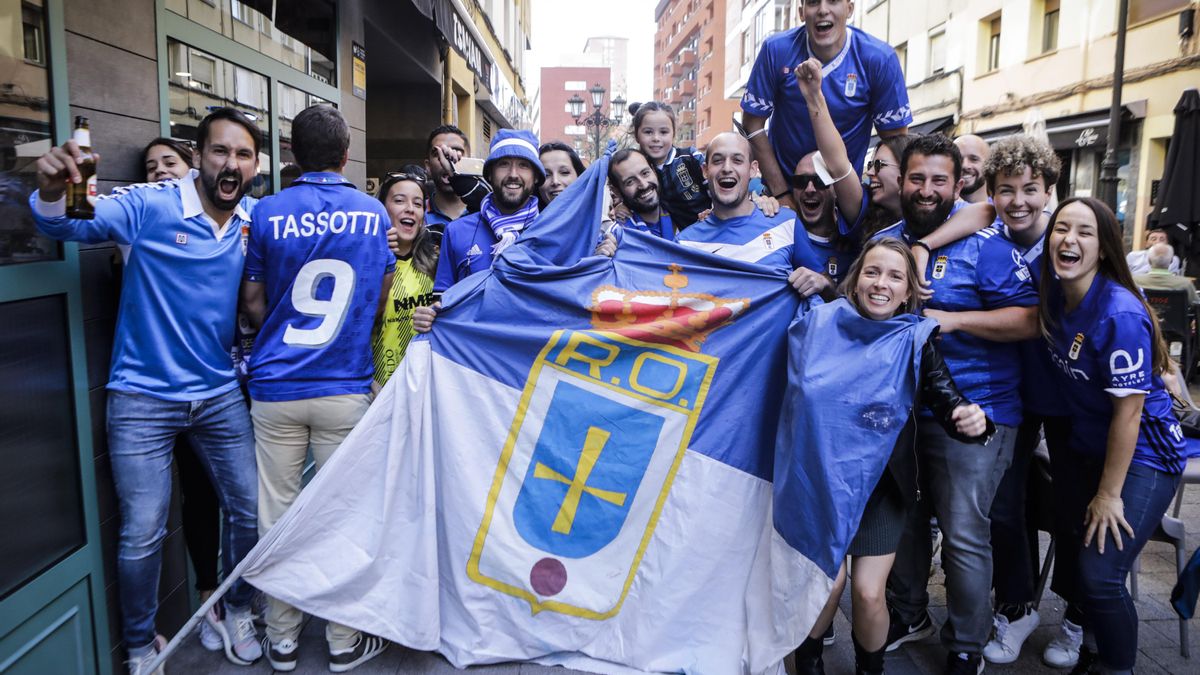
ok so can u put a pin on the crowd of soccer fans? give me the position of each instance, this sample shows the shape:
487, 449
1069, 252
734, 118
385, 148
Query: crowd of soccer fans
1045, 340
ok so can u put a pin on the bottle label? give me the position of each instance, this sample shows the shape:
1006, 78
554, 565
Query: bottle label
91, 190
82, 138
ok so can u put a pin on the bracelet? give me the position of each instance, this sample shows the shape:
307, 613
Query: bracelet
923, 245
750, 136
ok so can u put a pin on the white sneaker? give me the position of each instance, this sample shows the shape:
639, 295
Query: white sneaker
140, 665
209, 638
1063, 650
238, 636
1008, 636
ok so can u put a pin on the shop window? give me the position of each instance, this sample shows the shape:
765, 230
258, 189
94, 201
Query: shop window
191, 99
302, 34
25, 134
37, 441
291, 102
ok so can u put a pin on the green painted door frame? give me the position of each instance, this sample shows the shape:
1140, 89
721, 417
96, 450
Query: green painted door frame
174, 26
57, 621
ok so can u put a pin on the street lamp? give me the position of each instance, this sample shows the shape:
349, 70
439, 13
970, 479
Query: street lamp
596, 122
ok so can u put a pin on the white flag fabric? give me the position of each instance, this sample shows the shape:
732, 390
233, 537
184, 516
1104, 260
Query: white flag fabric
578, 467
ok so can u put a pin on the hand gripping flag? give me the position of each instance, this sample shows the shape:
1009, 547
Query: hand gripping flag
574, 468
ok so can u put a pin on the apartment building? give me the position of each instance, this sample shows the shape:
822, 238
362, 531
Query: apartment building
689, 67
995, 67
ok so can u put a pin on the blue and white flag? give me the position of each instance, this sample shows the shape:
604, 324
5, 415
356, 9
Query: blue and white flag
575, 468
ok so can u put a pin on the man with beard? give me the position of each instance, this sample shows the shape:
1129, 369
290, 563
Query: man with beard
171, 373
635, 180
447, 144
738, 229
984, 302
311, 368
862, 81
975, 153
471, 243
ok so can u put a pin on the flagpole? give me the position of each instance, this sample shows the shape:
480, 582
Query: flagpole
196, 618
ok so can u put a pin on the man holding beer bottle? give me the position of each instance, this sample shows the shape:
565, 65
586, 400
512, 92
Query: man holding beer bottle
171, 373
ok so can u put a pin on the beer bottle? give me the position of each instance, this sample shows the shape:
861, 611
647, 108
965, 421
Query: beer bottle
81, 196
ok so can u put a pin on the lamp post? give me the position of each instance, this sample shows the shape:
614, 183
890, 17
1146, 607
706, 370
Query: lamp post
596, 122
1108, 167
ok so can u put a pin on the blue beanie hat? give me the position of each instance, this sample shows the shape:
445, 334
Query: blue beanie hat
515, 143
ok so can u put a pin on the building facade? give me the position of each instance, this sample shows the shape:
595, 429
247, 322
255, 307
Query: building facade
139, 69
689, 67
613, 53
558, 86
996, 67
749, 25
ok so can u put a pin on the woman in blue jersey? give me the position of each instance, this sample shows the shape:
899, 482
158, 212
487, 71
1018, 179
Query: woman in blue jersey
1126, 445
880, 287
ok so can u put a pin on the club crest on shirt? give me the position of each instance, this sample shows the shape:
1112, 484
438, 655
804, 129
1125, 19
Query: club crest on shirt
766, 237
939, 267
851, 85
245, 237
831, 266
181, 238
1076, 346
1022, 269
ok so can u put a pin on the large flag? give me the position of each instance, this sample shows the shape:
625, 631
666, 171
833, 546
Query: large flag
576, 468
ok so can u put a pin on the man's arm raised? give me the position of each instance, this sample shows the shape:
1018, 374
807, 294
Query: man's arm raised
847, 187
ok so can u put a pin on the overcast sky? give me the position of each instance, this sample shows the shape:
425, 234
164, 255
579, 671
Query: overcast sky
563, 26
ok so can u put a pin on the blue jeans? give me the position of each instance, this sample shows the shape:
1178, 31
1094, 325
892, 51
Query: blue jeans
958, 483
1109, 612
141, 436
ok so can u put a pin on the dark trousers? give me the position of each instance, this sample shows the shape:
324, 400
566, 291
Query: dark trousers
1014, 531
1109, 612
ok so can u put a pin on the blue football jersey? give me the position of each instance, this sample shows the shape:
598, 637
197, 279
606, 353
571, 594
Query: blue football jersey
320, 247
1103, 349
1040, 393
980, 272
779, 241
863, 87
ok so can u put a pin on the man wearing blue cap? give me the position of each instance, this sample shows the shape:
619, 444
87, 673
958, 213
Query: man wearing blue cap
470, 243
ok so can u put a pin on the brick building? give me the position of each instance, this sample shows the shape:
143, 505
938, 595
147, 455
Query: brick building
558, 86
689, 67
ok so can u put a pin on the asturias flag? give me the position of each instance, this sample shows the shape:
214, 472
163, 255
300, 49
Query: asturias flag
576, 468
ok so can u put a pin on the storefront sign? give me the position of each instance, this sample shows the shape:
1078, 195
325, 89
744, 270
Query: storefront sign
359, 56
454, 28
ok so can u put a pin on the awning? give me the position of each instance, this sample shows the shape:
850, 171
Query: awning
310, 22
460, 33
1076, 132
933, 126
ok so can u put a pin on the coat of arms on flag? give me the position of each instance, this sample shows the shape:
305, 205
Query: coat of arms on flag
575, 498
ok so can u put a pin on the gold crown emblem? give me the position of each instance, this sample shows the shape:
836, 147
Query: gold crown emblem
683, 320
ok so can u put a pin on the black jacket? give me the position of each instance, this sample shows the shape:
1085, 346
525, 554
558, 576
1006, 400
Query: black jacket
937, 392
